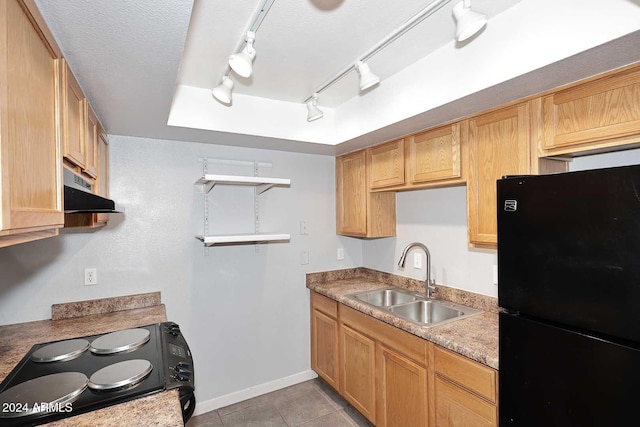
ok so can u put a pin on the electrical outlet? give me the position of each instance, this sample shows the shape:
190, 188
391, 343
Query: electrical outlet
304, 257
90, 276
340, 255
417, 261
495, 275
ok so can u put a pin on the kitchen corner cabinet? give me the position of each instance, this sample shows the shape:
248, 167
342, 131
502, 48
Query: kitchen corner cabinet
359, 212
394, 378
30, 145
596, 115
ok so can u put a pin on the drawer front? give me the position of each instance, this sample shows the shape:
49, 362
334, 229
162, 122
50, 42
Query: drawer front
456, 407
324, 304
471, 375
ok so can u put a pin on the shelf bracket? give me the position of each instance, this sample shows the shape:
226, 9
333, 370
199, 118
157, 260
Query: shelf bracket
262, 188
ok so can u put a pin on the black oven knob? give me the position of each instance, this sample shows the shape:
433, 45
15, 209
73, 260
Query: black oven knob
174, 329
180, 366
183, 375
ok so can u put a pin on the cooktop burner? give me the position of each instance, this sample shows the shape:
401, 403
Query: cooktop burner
116, 342
121, 374
62, 379
60, 351
43, 394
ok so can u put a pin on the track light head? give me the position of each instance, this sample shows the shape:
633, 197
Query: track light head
468, 22
367, 78
313, 112
222, 92
242, 62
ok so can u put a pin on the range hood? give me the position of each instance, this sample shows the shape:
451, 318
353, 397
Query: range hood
79, 198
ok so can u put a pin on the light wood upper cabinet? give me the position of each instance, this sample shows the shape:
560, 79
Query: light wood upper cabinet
360, 213
435, 155
598, 114
386, 164
499, 144
73, 118
324, 339
102, 181
30, 153
91, 142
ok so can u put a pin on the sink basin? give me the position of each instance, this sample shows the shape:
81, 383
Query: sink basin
386, 297
414, 307
427, 312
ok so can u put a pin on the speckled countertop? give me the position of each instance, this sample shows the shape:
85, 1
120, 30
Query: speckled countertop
475, 337
90, 318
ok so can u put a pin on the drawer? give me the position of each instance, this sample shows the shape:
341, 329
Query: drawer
324, 304
463, 371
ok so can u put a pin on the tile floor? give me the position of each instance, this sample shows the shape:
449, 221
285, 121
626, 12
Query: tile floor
309, 404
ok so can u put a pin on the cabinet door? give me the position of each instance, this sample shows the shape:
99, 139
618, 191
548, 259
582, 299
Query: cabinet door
386, 164
102, 181
92, 141
360, 213
73, 118
592, 114
435, 155
456, 407
351, 194
324, 347
498, 145
357, 373
30, 155
402, 391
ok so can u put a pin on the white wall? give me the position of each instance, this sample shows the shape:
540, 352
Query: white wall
244, 313
437, 218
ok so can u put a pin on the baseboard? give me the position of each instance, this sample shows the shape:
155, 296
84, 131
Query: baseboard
248, 393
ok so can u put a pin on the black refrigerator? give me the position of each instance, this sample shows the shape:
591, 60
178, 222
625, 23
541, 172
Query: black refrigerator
569, 284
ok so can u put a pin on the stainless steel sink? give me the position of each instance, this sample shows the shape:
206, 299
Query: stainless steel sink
386, 297
414, 307
427, 312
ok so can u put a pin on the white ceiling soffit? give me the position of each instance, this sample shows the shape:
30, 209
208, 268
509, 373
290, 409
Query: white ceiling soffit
148, 67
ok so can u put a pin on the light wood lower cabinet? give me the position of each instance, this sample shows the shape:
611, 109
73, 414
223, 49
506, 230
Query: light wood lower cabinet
394, 378
30, 144
324, 338
456, 407
357, 373
402, 390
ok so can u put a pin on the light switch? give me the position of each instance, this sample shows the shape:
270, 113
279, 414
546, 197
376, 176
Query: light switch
304, 228
340, 255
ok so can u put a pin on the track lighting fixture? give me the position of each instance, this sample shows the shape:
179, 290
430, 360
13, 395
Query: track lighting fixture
468, 22
367, 78
222, 92
242, 62
313, 112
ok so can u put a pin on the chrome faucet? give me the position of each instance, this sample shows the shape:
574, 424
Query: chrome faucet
429, 284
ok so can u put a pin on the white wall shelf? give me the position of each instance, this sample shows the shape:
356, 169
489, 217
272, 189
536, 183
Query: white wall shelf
243, 238
261, 184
